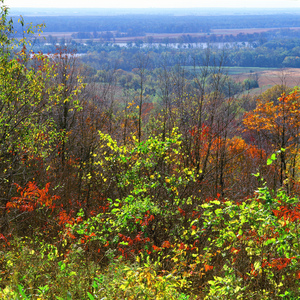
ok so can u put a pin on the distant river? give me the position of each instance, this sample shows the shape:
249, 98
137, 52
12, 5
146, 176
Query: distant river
187, 45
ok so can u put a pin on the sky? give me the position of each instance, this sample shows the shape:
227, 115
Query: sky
153, 3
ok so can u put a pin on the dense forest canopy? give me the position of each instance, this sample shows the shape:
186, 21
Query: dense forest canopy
147, 173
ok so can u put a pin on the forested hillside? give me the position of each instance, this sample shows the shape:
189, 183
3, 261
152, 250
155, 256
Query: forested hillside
154, 181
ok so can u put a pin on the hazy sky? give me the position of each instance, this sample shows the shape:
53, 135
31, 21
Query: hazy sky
153, 3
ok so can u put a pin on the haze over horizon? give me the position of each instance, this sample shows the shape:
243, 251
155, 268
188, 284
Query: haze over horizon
154, 4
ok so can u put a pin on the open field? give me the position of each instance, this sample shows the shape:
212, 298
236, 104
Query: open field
270, 77
55, 34
245, 71
245, 30
267, 77
157, 37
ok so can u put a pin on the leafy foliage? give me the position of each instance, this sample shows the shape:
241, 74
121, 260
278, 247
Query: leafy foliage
157, 211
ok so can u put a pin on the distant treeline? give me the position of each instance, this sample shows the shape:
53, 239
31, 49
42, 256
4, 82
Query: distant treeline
274, 53
135, 25
255, 38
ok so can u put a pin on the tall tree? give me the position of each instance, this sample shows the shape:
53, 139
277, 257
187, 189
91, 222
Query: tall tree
25, 97
278, 122
142, 62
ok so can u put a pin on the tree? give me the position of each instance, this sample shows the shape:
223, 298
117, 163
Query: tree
165, 89
210, 122
278, 122
142, 61
66, 84
28, 133
25, 98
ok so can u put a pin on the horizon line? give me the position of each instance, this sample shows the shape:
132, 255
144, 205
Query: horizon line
190, 7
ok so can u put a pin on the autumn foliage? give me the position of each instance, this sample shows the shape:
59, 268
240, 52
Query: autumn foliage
191, 200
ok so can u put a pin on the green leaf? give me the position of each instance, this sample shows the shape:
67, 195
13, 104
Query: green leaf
270, 241
272, 158
91, 297
20, 287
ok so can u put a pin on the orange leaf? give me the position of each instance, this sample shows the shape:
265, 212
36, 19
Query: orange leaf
208, 268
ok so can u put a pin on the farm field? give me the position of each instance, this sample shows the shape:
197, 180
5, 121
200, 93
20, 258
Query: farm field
245, 71
245, 30
159, 36
267, 77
